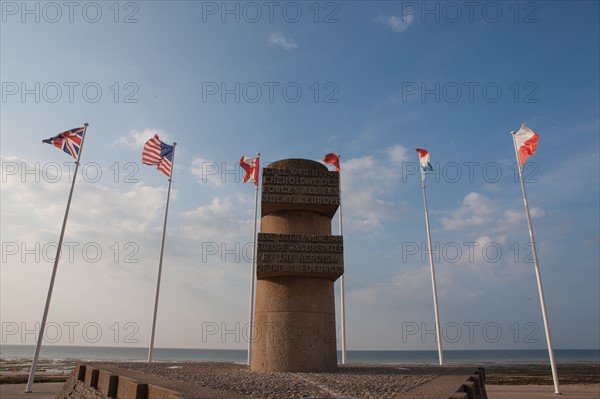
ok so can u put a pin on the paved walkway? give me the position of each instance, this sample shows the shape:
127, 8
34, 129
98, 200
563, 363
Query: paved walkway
542, 391
49, 391
40, 391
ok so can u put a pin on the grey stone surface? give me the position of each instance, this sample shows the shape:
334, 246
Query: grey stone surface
46, 390
234, 381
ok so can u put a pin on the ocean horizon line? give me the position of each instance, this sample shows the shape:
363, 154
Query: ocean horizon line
245, 350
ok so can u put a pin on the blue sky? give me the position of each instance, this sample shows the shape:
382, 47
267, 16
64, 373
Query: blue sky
369, 80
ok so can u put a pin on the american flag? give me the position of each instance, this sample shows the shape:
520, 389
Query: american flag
69, 141
158, 153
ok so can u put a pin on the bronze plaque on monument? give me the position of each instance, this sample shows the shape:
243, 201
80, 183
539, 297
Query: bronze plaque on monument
313, 190
308, 255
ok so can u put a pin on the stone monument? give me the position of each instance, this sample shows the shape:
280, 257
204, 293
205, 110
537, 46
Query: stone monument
298, 261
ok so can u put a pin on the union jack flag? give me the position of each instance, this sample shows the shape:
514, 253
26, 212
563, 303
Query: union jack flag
158, 153
69, 141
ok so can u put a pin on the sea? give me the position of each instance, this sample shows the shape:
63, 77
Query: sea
62, 358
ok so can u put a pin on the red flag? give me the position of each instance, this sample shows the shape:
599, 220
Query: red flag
333, 159
527, 141
251, 166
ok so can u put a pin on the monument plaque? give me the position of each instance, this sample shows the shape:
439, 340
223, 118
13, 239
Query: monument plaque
313, 190
298, 262
307, 255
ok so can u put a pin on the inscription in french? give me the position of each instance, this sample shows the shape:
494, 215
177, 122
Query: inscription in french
305, 254
285, 189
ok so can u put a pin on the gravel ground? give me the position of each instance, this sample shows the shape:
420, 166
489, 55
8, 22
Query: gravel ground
357, 381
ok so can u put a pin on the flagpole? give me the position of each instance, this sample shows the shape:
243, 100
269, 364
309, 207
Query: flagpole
537, 273
342, 295
160, 262
253, 275
435, 301
28, 388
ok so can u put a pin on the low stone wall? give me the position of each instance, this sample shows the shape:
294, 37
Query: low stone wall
88, 382
193, 380
474, 387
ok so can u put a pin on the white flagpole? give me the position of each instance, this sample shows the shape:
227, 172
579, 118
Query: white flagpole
160, 262
435, 301
28, 388
537, 273
253, 271
342, 295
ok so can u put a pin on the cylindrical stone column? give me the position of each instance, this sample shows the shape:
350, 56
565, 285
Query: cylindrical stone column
298, 263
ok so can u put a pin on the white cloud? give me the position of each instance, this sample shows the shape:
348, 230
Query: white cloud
476, 210
217, 208
136, 139
121, 225
128, 209
396, 24
214, 173
518, 216
398, 154
409, 287
367, 204
278, 39
222, 219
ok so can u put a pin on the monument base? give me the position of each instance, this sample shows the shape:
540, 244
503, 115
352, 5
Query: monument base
294, 325
234, 381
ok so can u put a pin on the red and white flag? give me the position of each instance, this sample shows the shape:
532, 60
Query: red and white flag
424, 159
333, 159
527, 141
251, 166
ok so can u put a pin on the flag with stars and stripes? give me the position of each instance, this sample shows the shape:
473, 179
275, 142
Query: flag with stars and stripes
158, 153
